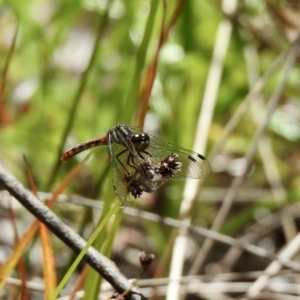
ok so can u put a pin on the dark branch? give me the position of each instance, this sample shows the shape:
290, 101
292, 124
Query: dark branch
105, 267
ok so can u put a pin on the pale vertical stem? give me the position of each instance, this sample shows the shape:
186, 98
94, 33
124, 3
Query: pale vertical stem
237, 182
251, 98
276, 185
264, 145
203, 127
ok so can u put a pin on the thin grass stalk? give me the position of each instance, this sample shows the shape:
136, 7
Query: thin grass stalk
83, 80
203, 127
21, 266
250, 99
232, 192
147, 88
132, 98
6, 66
103, 243
264, 145
83, 251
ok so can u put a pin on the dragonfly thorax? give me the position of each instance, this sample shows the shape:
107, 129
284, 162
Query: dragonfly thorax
140, 141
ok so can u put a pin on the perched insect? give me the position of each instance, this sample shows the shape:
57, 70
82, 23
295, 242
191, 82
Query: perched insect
142, 161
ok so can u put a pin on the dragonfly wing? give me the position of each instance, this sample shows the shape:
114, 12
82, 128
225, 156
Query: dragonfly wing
194, 165
119, 173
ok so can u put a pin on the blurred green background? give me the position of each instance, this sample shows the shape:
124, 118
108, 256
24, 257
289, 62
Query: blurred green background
78, 68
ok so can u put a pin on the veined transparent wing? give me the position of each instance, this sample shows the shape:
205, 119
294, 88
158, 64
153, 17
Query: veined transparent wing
194, 165
119, 172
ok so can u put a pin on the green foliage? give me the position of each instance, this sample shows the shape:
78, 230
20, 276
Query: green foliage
80, 67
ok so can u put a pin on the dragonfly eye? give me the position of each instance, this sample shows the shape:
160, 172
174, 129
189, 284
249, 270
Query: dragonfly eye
140, 141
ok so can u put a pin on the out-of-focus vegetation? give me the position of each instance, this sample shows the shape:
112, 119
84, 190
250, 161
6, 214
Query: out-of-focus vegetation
71, 70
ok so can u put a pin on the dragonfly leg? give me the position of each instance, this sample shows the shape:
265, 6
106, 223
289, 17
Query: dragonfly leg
131, 157
128, 158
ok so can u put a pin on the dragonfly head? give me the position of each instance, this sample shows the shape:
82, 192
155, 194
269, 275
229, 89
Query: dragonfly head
140, 141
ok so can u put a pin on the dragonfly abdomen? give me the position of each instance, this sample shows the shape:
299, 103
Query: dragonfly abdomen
100, 141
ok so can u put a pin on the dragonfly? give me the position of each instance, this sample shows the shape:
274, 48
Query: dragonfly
143, 161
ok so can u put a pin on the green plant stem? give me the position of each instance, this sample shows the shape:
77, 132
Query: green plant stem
84, 78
